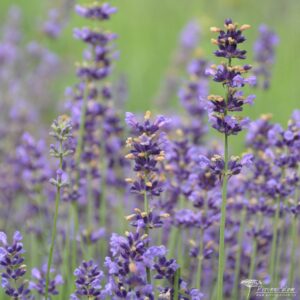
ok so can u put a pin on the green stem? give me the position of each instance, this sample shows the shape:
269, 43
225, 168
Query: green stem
201, 248
200, 259
248, 294
274, 242
66, 264
57, 200
75, 230
146, 208
176, 284
222, 224
238, 254
180, 249
172, 241
254, 250
54, 229
103, 210
291, 277
280, 250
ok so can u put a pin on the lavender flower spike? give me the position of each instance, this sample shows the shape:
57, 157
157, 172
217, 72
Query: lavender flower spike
12, 264
264, 55
232, 77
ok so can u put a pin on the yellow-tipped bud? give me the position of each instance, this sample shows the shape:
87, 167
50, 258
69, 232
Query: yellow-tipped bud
132, 267
214, 42
231, 40
245, 27
266, 117
231, 26
129, 156
147, 115
215, 29
130, 217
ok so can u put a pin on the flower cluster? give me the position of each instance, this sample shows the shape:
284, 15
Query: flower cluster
264, 55
146, 152
39, 281
88, 282
232, 77
14, 269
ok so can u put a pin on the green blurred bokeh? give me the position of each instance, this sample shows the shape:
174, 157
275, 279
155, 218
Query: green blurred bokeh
148, 32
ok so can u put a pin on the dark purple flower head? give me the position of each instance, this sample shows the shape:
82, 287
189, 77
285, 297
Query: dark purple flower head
88, 281
229, 39
96, 12
146, 152
39, 281
143, 220
229, 124
216, 164
13, 267
233, 78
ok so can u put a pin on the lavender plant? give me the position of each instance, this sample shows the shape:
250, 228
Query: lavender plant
62, 132
232, 79
186, 214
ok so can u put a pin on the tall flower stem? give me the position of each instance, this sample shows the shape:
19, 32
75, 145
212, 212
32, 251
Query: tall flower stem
221, 263
294, 236
254, 249
54, 229
201, 248
176, 284
281, 249
238, 255
146, 208
103, 209
200, 260
274, 241
222, 224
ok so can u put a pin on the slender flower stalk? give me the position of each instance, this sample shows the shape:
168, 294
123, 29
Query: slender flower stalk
238, 254
176, 284
62, 132
231, 77
146, 209
294, 236
253, 259
274, 242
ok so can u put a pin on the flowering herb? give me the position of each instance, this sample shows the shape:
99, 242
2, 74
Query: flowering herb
233, 78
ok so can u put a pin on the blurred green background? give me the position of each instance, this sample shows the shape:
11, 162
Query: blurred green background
148, 33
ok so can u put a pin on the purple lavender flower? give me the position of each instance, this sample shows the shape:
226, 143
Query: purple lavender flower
89, 282
52, 26
100, 13
39, 281
146, 151
12, 264
264, 55
229, 39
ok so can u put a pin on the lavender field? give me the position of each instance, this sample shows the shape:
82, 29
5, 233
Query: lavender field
192, 193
